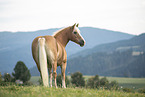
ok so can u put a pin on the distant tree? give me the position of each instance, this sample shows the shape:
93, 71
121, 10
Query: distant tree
93, 82
90, 83
7, 77
96, 81
104, 81
21, 72
77, 79
59, 80
113, 85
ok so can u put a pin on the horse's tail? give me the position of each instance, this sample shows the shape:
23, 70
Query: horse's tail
43, 61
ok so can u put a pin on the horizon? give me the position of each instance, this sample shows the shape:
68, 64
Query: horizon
64, 27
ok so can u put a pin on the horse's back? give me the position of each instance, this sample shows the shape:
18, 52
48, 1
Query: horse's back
50, 46
49, 41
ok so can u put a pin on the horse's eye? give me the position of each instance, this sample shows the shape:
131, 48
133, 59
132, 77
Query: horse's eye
75, 32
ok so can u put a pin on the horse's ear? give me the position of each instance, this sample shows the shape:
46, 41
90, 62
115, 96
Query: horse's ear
77, 25
73, 26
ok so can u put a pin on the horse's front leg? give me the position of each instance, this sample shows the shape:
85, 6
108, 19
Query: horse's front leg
63, 68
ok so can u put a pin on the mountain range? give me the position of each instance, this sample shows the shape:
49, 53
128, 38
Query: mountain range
136, 43
17, 46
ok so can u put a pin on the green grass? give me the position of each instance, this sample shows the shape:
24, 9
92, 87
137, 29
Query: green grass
40, 91
34, 79
133, 83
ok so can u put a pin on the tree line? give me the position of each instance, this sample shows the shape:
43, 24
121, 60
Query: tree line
116, 64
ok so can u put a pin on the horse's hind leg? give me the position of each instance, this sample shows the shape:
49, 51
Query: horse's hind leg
50, 75
55, 73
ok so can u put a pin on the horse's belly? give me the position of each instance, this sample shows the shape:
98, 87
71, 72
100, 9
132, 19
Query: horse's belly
59, 62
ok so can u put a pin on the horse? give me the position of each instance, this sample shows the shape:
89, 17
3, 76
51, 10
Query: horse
49, 52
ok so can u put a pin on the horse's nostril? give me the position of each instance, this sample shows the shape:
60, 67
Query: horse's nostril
81, 42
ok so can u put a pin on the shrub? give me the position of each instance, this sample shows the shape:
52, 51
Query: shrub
7, 77
77, 79
95, 82
2, 83
127, 90
59, 80
104, 81
28, 83
142, 90
113, 85
90, 83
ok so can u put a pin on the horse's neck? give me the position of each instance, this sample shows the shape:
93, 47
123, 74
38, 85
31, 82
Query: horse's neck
62, 37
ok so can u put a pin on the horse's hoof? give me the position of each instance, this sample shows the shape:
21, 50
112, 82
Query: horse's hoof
63, 86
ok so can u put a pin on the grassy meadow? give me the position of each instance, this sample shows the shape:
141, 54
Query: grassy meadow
133, 83
40, 91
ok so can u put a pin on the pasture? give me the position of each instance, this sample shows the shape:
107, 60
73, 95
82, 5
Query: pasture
133, 83
40, 91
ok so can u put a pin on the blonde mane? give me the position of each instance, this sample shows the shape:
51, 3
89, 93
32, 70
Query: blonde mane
59, 31
54, 33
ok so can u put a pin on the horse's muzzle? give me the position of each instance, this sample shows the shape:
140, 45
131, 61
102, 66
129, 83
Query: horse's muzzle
82, 43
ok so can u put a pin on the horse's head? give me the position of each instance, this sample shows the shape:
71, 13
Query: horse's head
76, 37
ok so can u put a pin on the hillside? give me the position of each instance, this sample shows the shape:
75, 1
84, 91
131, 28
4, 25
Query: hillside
116, 64
136, 44
123, 59
17, 46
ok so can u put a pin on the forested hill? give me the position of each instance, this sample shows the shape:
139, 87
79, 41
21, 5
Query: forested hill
123, 58
136, 44
117, 64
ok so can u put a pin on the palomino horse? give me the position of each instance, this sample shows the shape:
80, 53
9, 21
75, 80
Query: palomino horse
49, 52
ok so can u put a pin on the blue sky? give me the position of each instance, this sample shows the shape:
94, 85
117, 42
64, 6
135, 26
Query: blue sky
29, 15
